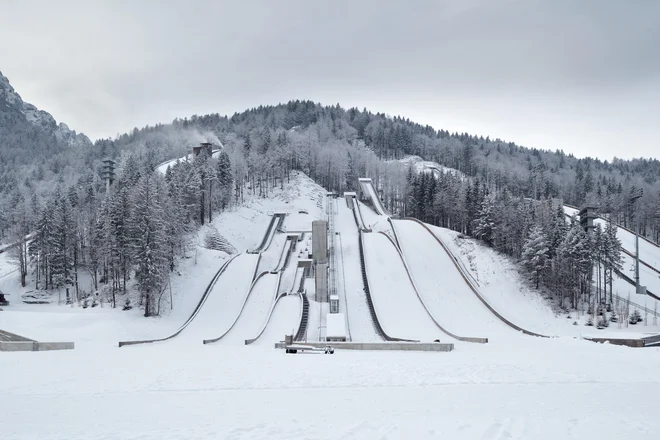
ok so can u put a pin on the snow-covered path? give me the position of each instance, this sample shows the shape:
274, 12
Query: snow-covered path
255, 313
284, 321
442, 287
359, 318
397, 306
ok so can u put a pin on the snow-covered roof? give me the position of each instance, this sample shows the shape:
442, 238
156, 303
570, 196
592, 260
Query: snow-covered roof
335, 326
350, 194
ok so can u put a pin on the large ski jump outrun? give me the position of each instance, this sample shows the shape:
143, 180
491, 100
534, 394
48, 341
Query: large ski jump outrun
433, 335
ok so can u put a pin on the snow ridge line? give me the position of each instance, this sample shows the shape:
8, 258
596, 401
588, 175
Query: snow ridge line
618, 226
247, 298
194, 313
477, 340
474, 289
370, 302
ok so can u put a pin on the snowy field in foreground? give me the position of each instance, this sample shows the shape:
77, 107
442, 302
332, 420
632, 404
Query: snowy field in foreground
536, 389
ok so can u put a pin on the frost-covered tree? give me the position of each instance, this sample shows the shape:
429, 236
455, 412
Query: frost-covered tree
535, 254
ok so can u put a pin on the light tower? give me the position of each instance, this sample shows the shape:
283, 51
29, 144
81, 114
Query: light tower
108, 173
638, 193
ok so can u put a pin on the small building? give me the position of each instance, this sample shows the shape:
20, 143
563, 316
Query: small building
205, 147
587, 216
334, 303
335, 329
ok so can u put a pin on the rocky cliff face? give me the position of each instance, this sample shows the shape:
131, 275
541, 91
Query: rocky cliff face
15, 113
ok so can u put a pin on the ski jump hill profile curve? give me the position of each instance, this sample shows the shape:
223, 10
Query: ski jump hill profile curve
368, 188
195, 312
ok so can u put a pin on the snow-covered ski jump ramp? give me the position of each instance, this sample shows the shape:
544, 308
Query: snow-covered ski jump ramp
218, 300
446, 289
368, 188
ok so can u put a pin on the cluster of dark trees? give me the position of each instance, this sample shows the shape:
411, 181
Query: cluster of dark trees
135, 230
555, 250
495, 180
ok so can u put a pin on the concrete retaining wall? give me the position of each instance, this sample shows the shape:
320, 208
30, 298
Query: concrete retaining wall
396, 346
628, 342
35, 346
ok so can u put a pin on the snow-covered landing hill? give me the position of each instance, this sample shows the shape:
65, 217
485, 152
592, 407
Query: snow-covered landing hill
244, 227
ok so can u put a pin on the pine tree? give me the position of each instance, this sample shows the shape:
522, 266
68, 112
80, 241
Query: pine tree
484, 224
535, 253
149, 253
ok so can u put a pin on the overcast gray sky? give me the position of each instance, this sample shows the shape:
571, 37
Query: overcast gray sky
583, 76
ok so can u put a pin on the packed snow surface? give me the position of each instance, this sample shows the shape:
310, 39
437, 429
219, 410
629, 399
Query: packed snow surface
224, 302
359, 318
255, 313
399, 310
284, 321
444, 291
533, 389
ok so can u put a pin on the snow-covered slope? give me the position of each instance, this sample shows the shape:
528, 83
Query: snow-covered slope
397, 306
284, 321
253, 317
359, 318
442, 287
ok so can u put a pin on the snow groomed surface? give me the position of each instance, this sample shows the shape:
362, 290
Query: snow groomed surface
445, 289
219, 302
254, 312
284, 320
360, 323
395, 301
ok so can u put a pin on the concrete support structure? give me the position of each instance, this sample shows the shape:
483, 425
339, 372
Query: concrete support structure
396, 346
320, 258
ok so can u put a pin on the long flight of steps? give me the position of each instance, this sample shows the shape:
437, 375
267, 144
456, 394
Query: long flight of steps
302, 330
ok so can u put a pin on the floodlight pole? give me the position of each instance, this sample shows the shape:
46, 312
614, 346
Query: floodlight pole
636, 195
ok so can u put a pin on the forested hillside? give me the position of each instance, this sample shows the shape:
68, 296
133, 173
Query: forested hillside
511, 197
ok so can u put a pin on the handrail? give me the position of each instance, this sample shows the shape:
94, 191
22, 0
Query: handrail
254, 282
370, 303
474, 289
195, 311
421, 300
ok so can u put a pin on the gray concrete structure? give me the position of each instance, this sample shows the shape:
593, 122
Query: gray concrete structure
320, 241
35, 346
395, 346
321, 282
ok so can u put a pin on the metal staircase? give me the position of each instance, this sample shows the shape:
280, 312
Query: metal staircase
304, 319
